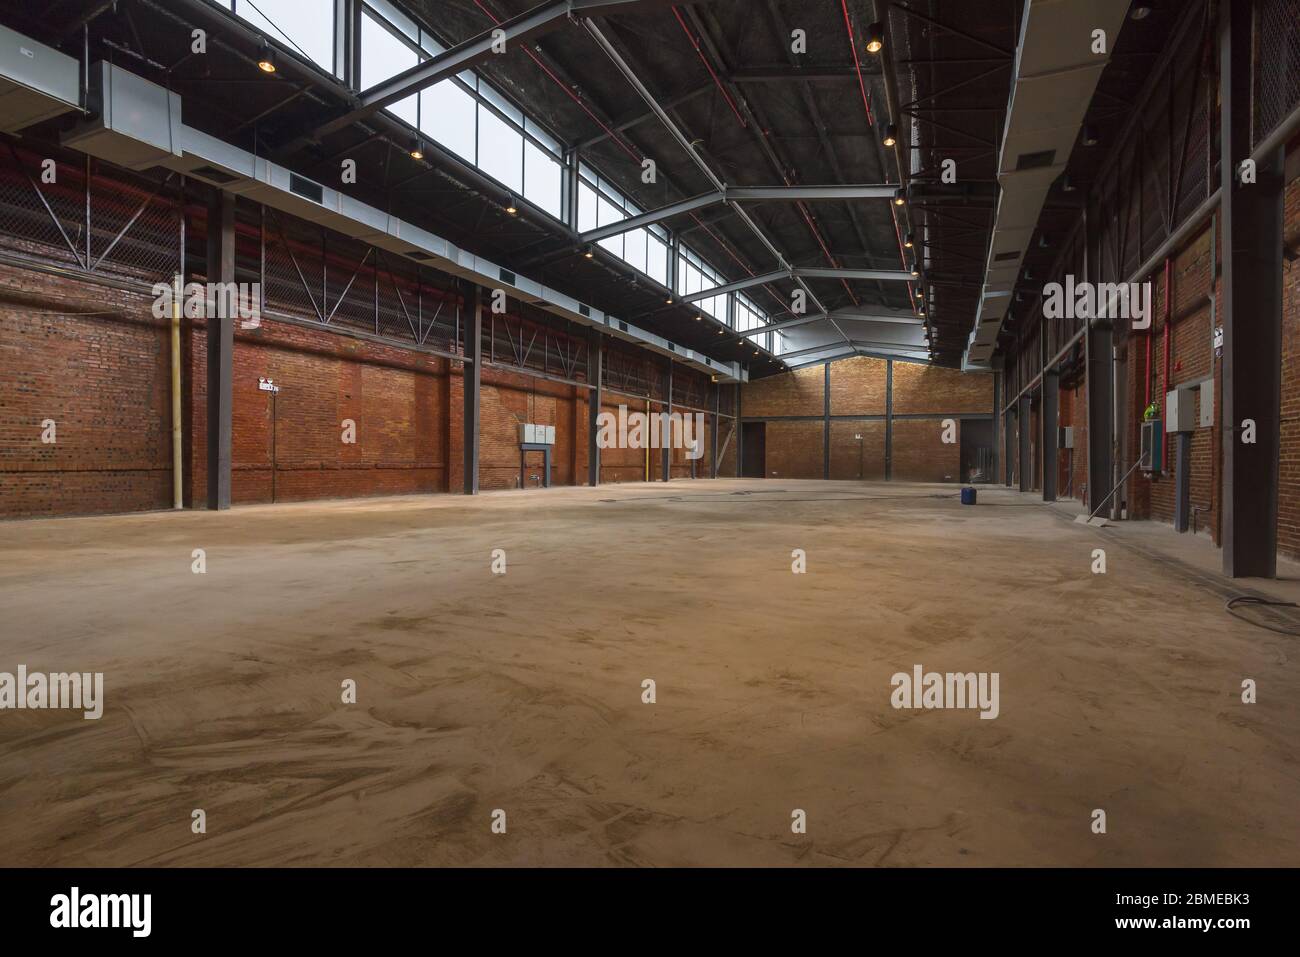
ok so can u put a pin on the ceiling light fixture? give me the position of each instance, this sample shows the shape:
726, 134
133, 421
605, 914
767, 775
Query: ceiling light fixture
891, 134
417, 150
511, 208
899, 197
907, 241
875, 37
1141, 11
266, 59
1090, 135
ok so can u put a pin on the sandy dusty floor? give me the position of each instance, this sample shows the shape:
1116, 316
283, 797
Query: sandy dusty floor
523, 691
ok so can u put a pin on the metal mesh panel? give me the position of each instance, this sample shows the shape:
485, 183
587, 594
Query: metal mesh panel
1277, 77
135, 226
292, 282
42, 219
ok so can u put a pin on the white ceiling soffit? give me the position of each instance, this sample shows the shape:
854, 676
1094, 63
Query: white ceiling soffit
1056, 73
137, 124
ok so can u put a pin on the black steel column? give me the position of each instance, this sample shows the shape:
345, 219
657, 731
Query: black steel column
1050, 432
997, 405
889, 420
826, 424
1182, 480
666, 430
220, 338
1252, 313
1101, 417
1023, 466
471, 377
740, 435
595, 377
717, 408
1009, 459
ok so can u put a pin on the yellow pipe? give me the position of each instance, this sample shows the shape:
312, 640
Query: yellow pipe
178, 498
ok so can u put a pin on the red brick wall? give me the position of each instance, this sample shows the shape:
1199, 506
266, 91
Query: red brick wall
793, 406
921, 455
397, 398
1288, 522
794, 449
800, 392
934, 389
1192, 276
853, 458
95, 361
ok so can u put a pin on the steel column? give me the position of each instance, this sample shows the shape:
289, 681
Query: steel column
1008, 443
1100, 373
1252, 216
595, 377
826, 424
717, 408
740, 435
889, 420
1050, 432
220, 337
472, 373
666, 430
1023, 465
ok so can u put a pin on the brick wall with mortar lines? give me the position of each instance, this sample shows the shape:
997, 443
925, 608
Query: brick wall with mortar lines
103, 377
1193, 276
794, 447
1288, 521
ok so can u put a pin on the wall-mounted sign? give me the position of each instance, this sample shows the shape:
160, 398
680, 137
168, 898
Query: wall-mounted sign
267, 385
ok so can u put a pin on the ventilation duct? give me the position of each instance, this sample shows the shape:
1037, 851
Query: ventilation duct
1056, 74
140, 127
36, 82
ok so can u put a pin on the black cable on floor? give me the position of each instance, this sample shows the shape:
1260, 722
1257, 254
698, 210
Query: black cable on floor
1231, 604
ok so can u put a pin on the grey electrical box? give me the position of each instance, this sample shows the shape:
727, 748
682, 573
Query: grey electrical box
1067, 437
1180, 409
1207, 404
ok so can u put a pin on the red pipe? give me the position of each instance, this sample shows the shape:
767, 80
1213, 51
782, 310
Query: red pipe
708, 66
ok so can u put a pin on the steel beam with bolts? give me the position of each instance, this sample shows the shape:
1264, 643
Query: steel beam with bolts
529, 25
788, 194
800, 274
847, 314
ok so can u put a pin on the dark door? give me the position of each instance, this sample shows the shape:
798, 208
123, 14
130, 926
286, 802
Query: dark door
754, 440
977, 450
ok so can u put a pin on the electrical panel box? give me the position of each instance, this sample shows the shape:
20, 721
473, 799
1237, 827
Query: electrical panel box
1180, 411
527, 433
1207, 404
1151, 435
1067, 437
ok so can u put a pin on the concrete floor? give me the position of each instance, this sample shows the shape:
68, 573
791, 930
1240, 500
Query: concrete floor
523, 691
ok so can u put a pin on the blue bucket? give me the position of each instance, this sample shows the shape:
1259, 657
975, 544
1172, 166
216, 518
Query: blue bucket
968, 496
